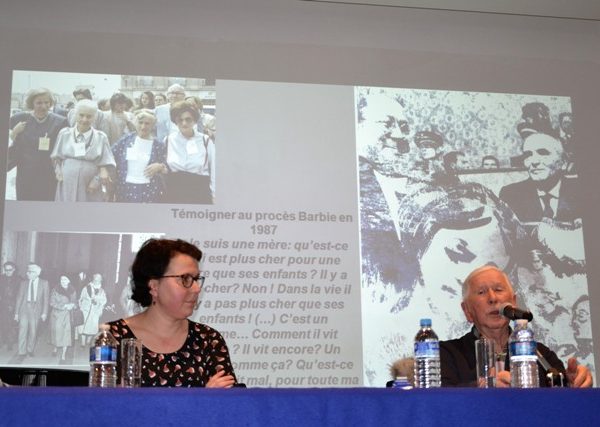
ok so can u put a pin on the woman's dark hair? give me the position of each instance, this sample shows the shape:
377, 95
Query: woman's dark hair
151, 262
70, 290
150, 96
83, 92
119, 97
180, 107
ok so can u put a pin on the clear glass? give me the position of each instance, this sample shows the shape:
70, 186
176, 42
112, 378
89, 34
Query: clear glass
131, 362
486, 363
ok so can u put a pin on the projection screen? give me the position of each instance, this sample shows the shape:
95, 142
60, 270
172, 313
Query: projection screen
348, 200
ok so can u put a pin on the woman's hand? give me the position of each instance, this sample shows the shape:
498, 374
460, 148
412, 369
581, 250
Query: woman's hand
104, 176
220, 380
153, 169
19, 127
130, 125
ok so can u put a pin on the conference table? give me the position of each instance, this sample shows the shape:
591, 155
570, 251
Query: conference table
82, 406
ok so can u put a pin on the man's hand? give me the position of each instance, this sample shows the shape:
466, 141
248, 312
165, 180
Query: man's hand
503, 379
578, 375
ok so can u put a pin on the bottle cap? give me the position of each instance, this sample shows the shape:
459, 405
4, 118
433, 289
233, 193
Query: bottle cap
425, 322
522, 322
103, 327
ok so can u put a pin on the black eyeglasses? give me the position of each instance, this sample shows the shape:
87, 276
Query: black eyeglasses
187, 280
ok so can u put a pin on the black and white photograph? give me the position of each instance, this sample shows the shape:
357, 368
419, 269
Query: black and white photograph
451, 181
56, 288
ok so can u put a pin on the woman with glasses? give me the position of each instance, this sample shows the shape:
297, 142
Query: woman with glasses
190, 159
177, 352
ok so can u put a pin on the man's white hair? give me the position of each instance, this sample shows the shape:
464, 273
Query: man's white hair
467, 282
176, 87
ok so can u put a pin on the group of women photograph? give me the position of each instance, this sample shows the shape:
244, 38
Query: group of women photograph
90, 155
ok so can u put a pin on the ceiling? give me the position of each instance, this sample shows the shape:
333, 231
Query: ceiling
571, 9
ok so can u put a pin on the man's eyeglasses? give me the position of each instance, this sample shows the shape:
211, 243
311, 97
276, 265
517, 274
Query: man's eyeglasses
187, 280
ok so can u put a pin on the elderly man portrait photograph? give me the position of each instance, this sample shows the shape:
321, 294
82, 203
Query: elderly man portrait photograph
547, 193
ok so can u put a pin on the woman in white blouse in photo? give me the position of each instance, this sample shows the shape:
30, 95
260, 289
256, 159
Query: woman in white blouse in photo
190, 159
141, 162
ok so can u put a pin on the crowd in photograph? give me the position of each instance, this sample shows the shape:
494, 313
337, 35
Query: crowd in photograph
158, 149
70, 307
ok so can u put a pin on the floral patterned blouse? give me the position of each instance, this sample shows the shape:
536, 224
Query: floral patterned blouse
203, 354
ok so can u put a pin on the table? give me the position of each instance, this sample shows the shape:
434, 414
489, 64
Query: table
80, 406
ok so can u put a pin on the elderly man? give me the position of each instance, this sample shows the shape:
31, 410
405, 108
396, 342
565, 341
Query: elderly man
386, 155
484, 291
386, 150
32, 305
164, 125
547, 193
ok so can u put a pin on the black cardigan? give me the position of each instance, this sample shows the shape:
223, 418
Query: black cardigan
457, 358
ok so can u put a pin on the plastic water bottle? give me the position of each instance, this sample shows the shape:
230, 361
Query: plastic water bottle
103, 359
427, 357
523, 357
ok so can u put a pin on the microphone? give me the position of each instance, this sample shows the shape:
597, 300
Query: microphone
514, 313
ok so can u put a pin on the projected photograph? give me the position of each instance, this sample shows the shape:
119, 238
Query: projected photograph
55, 288
450, 181
111, 138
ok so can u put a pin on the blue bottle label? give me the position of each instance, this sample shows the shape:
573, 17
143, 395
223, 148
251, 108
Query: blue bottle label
526, 348
105, 353
427, 349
